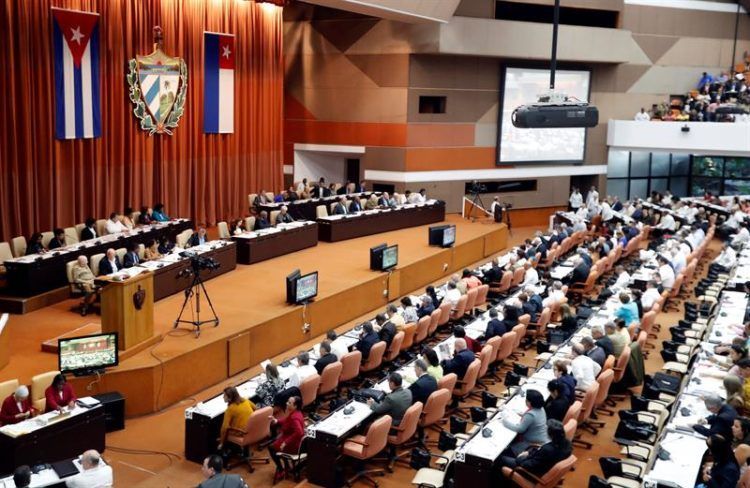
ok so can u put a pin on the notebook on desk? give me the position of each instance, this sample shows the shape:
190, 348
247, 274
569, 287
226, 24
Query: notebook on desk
65, 468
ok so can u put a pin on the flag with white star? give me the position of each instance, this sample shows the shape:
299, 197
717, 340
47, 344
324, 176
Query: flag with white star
76, 70
218, 83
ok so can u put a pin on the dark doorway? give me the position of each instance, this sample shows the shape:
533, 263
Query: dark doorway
352, 170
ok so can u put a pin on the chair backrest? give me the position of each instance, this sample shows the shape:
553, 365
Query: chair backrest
458, 312
121, 252
7, 388
329, 380
258, 426
518, 275
308, 388
744, 480
494, 343
505, 282
71, 236
249, 223
622, 363
39, 383
251, 199
272, 216
79, 228
46, 237
223, 230
19, 246
375, 359
471, 300
350, 365
332, 206
182, 238
485, 358
377, 437
409, 332
435, 408
101, 227
321, 211
270, 196
609, 363
605, 381
647, 322
94, 262
570, 428
423, 326
395, 348
574, 411
5, 252
558, 471
641, 339
448, 382
507, 345
69, 270
677, 285
434, 321
589, 402
470, 379
520, 331
482, 292
445, 313
408, 425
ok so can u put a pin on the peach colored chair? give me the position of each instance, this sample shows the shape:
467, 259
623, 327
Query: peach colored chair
434, 322
609, 363
458, 313
395, 349
434, 411
404, 432
7, 388
465, 386
423, 329
520, 331
258, 429
364, 447
350, 362
589, 401
485, 358
309, 389
574, 412
39, 384
482, 292
604, 379
409, 331
471, 300
540, 326
504, 285
448, 382
620, 366
445, 313
518, 275
552, 478
744, 480
329, 380
570, 427
504, 351
495, 343
375, 359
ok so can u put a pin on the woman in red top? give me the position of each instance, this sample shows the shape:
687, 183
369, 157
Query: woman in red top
59, 394
291, 432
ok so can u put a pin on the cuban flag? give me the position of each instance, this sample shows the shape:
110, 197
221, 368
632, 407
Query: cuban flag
218, 91
76, 46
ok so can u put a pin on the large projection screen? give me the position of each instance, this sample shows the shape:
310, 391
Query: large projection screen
522, 86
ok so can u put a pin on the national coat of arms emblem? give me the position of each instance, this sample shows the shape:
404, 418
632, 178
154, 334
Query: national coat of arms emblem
158, 86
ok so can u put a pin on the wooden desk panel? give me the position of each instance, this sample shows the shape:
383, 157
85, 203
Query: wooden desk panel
375, 223
269, 246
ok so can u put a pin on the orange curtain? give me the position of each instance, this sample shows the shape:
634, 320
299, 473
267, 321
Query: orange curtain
46, 183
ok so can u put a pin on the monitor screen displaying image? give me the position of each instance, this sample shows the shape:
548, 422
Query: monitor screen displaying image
449, 236
307, 287
390, 257
87, 353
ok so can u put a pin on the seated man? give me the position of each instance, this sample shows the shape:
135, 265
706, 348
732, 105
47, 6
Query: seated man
593, 351
453, 295
212, 467
723, 262
459, 363
326, 357
22, 477
17, 407
338, 345
721, 419
538, 461
58, 240
385, 328
110, 264
396, 403
495, 326
304, 369
367, 339
583, 368
262, 221
94, 475
356, 205
395, 318
623, 277
114, 224
581, 271
283, 217
198, 238
426, 308
340, 207
84, 279
666, 272
131, 257
424, 385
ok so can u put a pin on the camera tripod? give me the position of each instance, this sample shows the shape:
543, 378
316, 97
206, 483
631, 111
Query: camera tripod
476, 201
194, 289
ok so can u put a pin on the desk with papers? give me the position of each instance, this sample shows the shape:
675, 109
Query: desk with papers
306, 209
47, 477
259, 245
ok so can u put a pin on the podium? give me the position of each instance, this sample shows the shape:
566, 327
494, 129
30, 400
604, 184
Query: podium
128, 309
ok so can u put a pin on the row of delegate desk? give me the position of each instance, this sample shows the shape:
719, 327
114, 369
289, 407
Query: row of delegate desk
39, 273
307, 209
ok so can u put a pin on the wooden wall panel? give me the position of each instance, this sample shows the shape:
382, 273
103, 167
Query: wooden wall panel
340, 308
238, 353
425, 271
496, 242
277, 335
467, 253
533, 217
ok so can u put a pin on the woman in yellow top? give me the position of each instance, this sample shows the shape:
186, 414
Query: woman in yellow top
238, 412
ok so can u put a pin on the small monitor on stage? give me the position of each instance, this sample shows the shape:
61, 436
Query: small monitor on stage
87, 354
291, 281
442, 235
307, 287
376, 257
390, 257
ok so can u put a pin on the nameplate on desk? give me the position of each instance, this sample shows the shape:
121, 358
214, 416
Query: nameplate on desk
311, 432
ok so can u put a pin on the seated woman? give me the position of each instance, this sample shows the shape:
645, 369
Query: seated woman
568, 321
531, 429
35, 245
557, 404
434, 368
724, 472
146, 217
127, 218
735, 394
165, 245
237, 227
568, 382
159, 214
152, 251
291, 431
539, 460
741, 434
59, 395
236, 415
273, 385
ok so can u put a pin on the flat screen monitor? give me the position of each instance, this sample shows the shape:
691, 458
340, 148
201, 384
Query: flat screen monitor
307, 287
376, 257
290, 285
449, 236
436, 235
390, 257
84, 354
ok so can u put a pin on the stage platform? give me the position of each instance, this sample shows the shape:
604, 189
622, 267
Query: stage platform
256, 323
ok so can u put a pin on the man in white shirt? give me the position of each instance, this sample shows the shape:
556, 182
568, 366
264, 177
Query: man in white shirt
592, 199
642, 116
583, 368
531, 277
303, 371
575, 200
650, 296
555, 294
741, 237
623, 277
607, 213
95, 473
338, 347
114, 226
421, 197
727, 259
665, 272
667, 223
453, 295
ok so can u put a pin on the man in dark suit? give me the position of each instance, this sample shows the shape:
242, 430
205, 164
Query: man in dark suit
58, 240
387, 329
721, 419
396, 403
535, 300
426, 308
110, 264
262, 221
361, 188
212, 467
89, 231
326, 357
425, 384
356, 205
340, 208
131, 258
527, 306
283, 217
291, 195
367, 339
198, 237
586, 257
343, 189
494, 327
494, 274
459, 363
580, 272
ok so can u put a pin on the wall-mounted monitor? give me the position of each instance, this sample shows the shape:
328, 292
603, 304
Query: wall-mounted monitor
87, 354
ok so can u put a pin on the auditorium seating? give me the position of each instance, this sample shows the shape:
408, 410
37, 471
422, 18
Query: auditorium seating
8, 387
39, 383
258, 430
365, 447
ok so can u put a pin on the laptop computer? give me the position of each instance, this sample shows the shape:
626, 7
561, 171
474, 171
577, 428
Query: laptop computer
65, 469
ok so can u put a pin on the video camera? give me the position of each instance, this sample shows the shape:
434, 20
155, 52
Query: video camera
477, 187
198, 263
